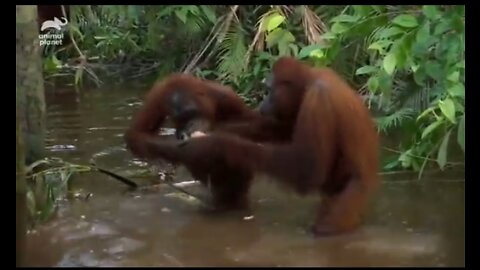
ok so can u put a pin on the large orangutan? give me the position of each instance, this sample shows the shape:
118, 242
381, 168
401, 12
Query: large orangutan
333, 152
194, 104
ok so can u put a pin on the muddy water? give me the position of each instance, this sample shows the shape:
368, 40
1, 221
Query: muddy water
411, 223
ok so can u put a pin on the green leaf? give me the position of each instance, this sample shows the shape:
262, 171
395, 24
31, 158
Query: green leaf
345, 18
338, 28
419, 76
457, 90
431, 128
379, 8
362, 10
280, 37
380, 45
454, 50
376, 46
448, 109
459, 10
328, 36
76, 31
264, 56
391, 165
461, 64
390, 32
305, 51
423, 33
459, 24
405, 20
333, 50
273, 37
461, 133
373, 84
442, 27
133, 12
401, 55
441, 48
283, 49
273, 21
434, 70
454, 76
256, 69
167, 11
385, 83
415, 67
423, 40
55, 61
192, 9
182, 14
406, 159
366, 70
287, 38
100, 37
78, 75
425, 112
389, 63
294, 49
52, 64
210, 13
431, 12
317, 54
442, 152
459, 106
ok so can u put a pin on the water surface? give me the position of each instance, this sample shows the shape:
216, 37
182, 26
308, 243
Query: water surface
411, 223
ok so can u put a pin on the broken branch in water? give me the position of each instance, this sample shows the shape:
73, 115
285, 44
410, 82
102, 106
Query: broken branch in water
132, 184
122, 179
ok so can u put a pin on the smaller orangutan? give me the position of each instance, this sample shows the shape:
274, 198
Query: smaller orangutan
333, 150
193, 105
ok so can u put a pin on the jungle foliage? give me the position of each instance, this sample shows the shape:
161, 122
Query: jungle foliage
408, 62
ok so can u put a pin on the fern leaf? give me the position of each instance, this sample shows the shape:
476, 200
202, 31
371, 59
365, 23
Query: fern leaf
232, 51
386, 123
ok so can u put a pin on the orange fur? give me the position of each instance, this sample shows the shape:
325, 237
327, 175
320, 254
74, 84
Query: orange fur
218, 108
215, 104
334, 149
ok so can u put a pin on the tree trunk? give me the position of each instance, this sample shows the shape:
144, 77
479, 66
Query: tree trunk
21, 190
29, 81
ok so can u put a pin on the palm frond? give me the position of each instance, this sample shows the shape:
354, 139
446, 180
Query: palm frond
194, 25
209, 42
385, 123
232, 52
194, 19
313, 25
408, 95
215, 39
284, 10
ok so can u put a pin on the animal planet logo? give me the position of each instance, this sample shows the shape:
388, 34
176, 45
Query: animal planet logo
52, 39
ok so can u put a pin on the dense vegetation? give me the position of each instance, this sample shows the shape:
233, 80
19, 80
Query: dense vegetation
408, 62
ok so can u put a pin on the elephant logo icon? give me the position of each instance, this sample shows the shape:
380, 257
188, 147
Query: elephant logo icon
55, 23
